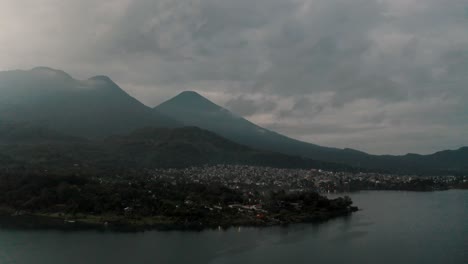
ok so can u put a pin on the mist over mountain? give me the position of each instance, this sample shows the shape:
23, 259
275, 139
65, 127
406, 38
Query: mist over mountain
95, 107
54, 113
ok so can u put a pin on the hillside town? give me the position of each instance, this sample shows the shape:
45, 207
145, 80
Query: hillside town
217, 196
251, 178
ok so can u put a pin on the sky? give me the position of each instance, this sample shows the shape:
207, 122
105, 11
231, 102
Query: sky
382, 76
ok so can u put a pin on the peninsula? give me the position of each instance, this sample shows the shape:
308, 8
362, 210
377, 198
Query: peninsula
139, 200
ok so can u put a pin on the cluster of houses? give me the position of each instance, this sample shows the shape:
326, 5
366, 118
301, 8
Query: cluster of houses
255, 182
252, 178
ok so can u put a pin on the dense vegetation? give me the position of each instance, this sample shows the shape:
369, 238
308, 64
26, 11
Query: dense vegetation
132, 200
46, 173
23, 146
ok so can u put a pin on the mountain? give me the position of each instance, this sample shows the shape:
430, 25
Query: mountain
190, 108
95, 107
43, 106
13, 133
189, 146
143, 148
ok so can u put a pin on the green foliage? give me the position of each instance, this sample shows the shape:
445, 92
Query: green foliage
133, 196
144, 148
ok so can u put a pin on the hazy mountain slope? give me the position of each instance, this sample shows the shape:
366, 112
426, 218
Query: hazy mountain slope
145, 148
12, 133
191, 108
191, 145
44, 100
95, 107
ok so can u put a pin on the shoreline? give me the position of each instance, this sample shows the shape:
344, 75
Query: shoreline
21, 220
41, 221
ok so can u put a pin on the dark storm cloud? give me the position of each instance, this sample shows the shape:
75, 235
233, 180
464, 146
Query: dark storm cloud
358, 73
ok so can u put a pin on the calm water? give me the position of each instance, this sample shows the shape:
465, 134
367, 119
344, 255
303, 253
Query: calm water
393, 227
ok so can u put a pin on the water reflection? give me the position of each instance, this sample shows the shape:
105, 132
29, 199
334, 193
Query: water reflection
394, 227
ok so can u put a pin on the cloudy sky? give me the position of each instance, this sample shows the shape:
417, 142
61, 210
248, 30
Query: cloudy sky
383, 76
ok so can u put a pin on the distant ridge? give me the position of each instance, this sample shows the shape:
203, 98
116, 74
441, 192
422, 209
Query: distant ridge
23, 146
190, 108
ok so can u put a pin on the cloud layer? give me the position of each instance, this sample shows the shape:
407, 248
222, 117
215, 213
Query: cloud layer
384, 76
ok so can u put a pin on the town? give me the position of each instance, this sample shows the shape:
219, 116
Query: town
251, 178
198, 197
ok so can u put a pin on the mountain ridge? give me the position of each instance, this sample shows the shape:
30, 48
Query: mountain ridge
96, 107
213, 117
99, 108
22, 147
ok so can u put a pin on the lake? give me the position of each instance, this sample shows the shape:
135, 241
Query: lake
392, 227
